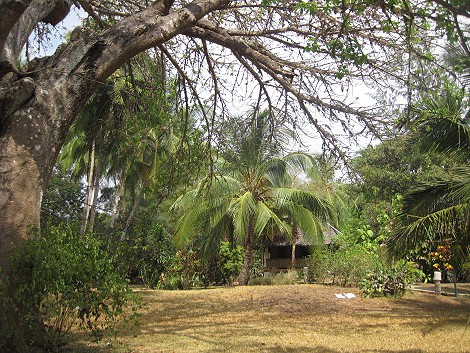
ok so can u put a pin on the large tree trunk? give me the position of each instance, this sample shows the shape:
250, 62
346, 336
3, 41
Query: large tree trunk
38, 106
20, 194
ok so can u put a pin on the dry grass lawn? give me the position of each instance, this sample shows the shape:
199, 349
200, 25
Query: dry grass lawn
299, 318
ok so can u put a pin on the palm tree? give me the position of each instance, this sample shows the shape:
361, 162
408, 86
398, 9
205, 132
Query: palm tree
83, 150
248, 200
438, 210
321, 181
132, 135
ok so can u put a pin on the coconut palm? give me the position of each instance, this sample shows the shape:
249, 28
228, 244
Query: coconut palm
83, 150
129, 134
438, 210
248, 201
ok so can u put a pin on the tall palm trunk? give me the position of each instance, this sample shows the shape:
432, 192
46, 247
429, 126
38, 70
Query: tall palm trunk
117, 197
295, 237
96, 190
135, 205
244, 277
89, 192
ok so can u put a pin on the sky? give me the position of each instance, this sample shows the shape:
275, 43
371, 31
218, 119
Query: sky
58, 34
311, 142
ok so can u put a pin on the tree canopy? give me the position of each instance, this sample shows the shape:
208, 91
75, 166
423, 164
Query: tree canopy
253, 197
301, 60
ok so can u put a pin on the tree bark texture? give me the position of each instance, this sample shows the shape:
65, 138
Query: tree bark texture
295, 237
244, 277
96, 192
38, 105
89, 189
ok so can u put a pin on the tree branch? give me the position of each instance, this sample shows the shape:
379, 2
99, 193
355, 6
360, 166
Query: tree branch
194, 90
11, 11
463, 10
50, 11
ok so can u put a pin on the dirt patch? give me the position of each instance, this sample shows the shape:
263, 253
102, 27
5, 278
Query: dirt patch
299, 318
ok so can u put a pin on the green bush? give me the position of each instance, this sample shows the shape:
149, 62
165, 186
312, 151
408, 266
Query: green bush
184, 273
153, 252
350, 264
391, 282
57, 280
319, 263
343, 266
465, 270
230, 261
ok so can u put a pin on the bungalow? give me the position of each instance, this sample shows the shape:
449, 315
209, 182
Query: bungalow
278, 254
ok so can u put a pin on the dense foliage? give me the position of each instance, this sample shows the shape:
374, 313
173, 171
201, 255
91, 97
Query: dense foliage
254, 196
60, 281
391, 282
230, 261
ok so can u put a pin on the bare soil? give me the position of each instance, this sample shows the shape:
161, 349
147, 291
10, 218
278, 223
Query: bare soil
298, 318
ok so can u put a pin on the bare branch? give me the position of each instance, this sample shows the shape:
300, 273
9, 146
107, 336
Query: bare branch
193, 88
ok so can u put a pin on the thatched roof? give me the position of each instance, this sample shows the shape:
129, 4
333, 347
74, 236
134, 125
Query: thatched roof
329, 233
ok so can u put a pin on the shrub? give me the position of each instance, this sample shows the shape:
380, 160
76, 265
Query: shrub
392, 282
184, 273
230, 261
465, 271
285, 278
261, 281
319, 264
351, 264
153, 252
56, 280
344, 266
280, 278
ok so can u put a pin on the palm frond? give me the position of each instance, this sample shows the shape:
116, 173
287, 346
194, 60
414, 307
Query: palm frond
280, 171
308, 223
242, 210
460, 184
438, 193
442, 123
299, 162
217, 186
284, 198
275, 171
414, 232
459, 60
189, 225
185, 201
217, 232
265, 214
